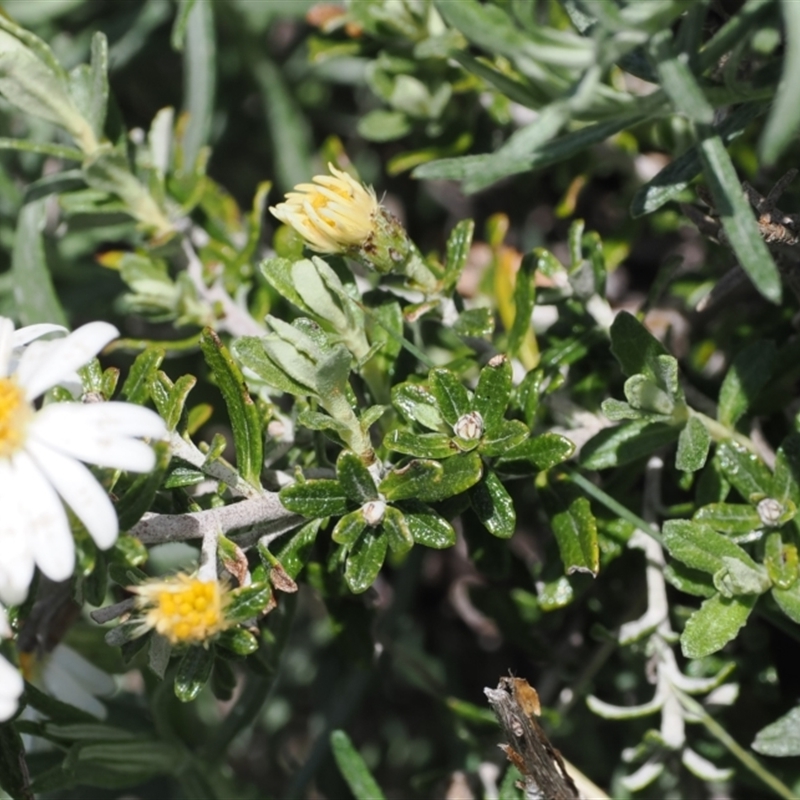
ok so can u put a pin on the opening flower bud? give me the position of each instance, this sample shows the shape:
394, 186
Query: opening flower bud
469, 426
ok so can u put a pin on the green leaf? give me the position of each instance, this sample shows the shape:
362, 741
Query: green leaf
691, 581
238, 640
746, 472
788, 600
247, 602
643, 394
506, 436
365, 559
349, 527
355, 479
493, 392
199, 76
426, 526
451, 396
678, 81
693, 445
422, 445
575, 528
14, 777
475, 323
417, 404
244, 415
431, 481
136, 388
786, 479
542, 452
296, 552
493, 506
89, 85
193, 673
638, 438
382, 125
289, 129
730, 518
781, 561
784, 116
55, 710
782, 737
700, 547
34, 295
317, 498
749, 373
398, 533
178, 35
353, 768
457, 251
738, 220
524, 300
678, 174
634, 346
249, 350
715, 623
139, 497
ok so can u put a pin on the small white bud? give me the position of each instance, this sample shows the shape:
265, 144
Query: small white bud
770, 511
469, 426
373, 512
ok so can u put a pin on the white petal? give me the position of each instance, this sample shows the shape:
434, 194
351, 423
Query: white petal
63, 357
6, 345
63, 686
11, 687
4, 629
46, 524
31, 332
80, 489
16, 564
99, 433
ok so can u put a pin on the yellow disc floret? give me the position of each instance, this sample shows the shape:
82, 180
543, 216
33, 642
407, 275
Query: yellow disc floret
184, 609
332, 214
15, 412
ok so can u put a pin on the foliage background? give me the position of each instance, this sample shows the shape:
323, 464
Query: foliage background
403, 668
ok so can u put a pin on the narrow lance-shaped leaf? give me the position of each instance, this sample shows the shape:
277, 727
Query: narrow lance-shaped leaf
353, 768
747, 376
244, 415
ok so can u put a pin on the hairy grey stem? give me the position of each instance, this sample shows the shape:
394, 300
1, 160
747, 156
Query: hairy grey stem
266, 511
208, 555
235, 319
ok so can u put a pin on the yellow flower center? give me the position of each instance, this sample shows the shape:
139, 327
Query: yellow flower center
15, 412
184, 610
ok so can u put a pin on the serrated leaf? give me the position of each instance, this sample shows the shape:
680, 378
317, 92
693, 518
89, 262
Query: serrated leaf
426, 526
244, 415
693, 445
731, 518
780, 738
746, 472
493, 506
316, 498
505, 437
365, 559
634, 347
421, 445
718, 620
624, 443
355, 479
700, 547
417, 404
430, 481
193, 673
747, 376
451, 396
493, 392
353, 769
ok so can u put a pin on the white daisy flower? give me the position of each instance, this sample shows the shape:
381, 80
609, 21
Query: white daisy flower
41, 451
11, 684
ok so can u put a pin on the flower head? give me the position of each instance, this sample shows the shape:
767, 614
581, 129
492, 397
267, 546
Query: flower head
333, 214
183, 609
41, 451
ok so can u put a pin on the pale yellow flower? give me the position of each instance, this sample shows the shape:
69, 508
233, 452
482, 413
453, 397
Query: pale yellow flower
333, 214
183, 609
